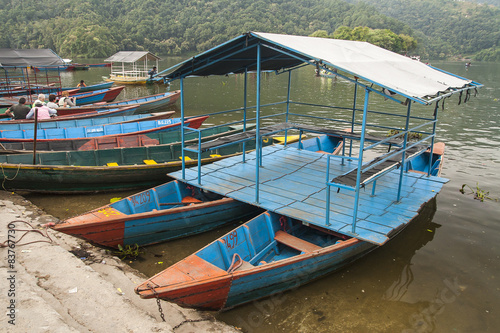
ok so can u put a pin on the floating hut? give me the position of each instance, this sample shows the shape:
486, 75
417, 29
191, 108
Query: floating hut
132, 67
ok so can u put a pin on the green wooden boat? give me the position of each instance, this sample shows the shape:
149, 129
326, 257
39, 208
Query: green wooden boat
102, 170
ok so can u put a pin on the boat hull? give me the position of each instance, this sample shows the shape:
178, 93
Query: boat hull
151, 103
106, 95
110, 226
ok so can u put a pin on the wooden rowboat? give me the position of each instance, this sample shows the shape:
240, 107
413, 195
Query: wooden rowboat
98, 96
129, 141
110, 130
151, 103
82, 121
93, 87
87, 112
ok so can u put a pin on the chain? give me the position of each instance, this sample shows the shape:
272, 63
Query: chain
158, 302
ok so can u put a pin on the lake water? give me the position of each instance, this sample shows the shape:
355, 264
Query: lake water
440, 275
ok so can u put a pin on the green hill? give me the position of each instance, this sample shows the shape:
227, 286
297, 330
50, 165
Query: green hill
99, 28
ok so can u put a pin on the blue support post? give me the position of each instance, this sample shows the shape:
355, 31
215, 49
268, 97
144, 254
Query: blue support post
245, 111
360, 161
288, 103
433, 138
352, 119
199, 157
258, 147
328, 189
181, 83
403, 156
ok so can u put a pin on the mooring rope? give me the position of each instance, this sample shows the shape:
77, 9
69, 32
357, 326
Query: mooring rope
26, 231
7, 178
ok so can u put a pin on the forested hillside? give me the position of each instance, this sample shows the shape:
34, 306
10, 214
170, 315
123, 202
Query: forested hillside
99, 28
448, 27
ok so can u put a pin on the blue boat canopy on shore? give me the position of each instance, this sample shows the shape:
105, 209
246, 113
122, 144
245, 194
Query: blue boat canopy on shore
353, 60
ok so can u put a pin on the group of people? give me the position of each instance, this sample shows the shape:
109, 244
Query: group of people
44, 110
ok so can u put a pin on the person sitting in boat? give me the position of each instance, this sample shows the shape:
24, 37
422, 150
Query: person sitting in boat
18, 111
81, 84
152, 72
66, 101
52, 102
41, 99
42, 110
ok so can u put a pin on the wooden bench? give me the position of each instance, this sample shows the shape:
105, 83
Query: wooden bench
295, 243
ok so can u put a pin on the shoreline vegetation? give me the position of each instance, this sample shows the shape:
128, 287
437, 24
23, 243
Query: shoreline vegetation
86, 29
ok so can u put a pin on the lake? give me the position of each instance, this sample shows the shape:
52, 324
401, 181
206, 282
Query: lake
439, 275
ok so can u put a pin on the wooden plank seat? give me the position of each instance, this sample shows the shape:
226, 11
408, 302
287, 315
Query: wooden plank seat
349, 178
280, 127
295, 242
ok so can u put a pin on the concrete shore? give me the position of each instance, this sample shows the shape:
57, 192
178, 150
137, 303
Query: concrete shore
57, 283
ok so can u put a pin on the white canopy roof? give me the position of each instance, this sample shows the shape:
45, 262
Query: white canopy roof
131, 56
397, 73
388, 69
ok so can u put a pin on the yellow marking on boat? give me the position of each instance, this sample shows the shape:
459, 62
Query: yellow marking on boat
289, 138
215, 155
150, 162
186, 158
109, 212
112, 164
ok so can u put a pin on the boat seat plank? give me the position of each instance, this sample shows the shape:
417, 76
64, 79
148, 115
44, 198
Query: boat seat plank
295, 242
349, 178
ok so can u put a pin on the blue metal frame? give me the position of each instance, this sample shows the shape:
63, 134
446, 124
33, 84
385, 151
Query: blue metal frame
259, 61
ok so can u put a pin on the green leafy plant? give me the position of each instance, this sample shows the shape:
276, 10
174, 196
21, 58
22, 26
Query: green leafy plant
478, 193
411, 135
127, 251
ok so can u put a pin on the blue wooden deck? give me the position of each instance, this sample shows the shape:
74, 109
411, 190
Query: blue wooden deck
293, 183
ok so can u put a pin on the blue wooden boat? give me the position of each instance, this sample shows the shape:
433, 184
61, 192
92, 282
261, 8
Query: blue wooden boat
110, 130
323, 211
97, 96
83, 122
93, 87
85, 113
151, 103
168, 211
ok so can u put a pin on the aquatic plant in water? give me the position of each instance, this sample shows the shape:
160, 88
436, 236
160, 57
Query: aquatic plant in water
127, 251
478, 193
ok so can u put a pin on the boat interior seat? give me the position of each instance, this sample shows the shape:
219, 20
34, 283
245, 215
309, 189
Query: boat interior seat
295, 242
190, 200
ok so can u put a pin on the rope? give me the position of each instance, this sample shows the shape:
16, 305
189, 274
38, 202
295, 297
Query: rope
26, 231
235, 264
7, 178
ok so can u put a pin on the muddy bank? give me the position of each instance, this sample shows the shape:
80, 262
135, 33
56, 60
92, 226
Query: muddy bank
52, 282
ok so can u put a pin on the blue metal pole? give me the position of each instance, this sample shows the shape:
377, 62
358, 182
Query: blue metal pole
288, 103
181, 83
328, 189
433, 138
360, 162
258, 148
245, 111
353, 117
403, 157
